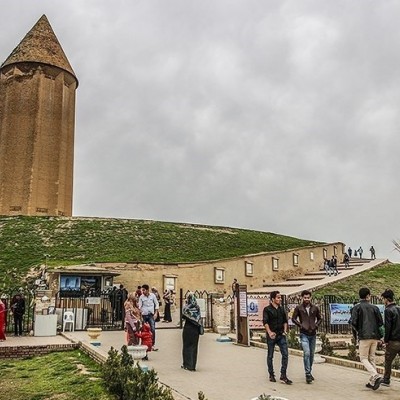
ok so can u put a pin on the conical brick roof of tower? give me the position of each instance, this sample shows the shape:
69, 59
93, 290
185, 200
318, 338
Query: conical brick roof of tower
40, 45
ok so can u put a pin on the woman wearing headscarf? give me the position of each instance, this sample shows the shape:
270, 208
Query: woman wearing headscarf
167, 308
158, 297
133, 318
191, 332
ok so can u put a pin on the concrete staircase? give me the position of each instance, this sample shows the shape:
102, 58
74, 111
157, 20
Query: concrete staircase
317, 279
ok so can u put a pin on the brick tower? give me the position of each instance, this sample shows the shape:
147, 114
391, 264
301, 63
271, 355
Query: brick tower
37, 122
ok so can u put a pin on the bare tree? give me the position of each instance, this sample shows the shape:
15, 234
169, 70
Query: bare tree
396, 245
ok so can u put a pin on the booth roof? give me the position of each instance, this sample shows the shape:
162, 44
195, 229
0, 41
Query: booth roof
83, 269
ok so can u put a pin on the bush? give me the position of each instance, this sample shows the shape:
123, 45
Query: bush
129, 382
327, 349
293, 340
352, 354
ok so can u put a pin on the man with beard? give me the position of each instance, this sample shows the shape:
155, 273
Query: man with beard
307, 317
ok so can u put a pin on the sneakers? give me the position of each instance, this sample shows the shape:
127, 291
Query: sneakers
154, 349
272, 378
376, 384
385, 382
285, 379
312, 378
309, 379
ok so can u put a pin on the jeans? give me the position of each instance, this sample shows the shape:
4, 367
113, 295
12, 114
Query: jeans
308, 345
283, 347
149, 318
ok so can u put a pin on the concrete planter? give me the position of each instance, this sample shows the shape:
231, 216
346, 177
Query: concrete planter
93, 334
137, 352
223, 331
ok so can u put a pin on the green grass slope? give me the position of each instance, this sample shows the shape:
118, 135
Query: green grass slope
377, 280
25, 240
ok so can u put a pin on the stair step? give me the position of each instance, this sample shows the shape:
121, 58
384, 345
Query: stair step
282, 284
305, 278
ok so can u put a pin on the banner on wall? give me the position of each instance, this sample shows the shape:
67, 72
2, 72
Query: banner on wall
340, 313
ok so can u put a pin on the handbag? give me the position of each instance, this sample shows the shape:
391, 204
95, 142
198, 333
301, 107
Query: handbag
201, 330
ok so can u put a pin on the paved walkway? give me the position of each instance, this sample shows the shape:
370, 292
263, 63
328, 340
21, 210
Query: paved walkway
228, 371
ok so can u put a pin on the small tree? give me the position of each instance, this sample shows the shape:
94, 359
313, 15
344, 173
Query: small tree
327, 349
293, 340
129, 382
352, 354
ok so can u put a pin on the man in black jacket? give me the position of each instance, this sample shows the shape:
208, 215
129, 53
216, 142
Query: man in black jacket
18, 310
276, 325
307, 317
367, 321
392, 333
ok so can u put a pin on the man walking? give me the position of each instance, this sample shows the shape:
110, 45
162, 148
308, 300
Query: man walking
18, 310
392, 333
367, 321
307, 317
276, 326
148, 305
372, 250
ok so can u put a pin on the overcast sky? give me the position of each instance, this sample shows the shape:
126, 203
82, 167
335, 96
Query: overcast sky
280, 116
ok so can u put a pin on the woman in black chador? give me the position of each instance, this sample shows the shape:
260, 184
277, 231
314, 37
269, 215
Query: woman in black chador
191, 332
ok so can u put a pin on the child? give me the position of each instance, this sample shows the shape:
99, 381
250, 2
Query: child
146, 336
132, 319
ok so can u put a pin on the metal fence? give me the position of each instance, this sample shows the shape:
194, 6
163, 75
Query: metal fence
207, 297
104, 310
27, 319
323, 304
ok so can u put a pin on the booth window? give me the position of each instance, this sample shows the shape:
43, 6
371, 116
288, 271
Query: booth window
275, 264
295, 259
249, 268
219, 275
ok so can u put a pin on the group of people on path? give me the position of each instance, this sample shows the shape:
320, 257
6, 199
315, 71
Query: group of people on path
307, 317
330, 266
359, 252
142, 312
366, 320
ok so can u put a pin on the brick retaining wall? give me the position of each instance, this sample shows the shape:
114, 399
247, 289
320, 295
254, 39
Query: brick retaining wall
8, 352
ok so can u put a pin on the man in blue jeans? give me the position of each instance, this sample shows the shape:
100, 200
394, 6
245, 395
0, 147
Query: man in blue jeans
276, 326
307, 317
148, 305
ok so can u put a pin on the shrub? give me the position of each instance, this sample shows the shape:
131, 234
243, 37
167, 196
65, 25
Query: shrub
293, 340
352, 347
327, 349
128, 382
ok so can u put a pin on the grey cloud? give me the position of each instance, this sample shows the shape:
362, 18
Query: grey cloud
279, 116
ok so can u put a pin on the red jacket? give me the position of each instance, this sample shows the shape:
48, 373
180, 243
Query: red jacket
146, 335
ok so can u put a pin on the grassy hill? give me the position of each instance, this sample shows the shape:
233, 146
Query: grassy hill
377, 280
25, 240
